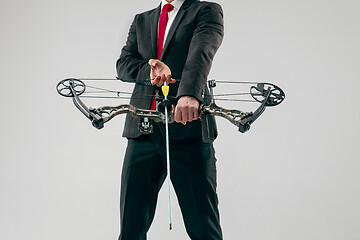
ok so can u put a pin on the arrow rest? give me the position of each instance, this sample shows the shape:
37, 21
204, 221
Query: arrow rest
166, 103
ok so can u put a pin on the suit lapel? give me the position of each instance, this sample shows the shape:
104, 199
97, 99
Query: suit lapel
172, 29
176, 23
154, 19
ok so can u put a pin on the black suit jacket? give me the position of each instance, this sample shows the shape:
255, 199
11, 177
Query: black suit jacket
189, 49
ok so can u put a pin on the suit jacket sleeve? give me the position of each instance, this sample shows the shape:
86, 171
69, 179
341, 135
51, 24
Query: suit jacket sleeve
130, 65
205, 42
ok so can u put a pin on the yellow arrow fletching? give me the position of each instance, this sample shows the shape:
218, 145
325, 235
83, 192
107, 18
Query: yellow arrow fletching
163, 90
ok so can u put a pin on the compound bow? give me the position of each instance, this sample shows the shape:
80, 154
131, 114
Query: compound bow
266, 94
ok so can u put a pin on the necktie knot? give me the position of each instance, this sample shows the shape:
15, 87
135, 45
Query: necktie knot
167, 8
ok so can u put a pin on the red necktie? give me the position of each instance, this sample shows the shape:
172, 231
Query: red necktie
163, 19
162, 26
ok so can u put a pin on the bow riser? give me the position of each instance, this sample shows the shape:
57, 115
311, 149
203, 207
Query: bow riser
109, 113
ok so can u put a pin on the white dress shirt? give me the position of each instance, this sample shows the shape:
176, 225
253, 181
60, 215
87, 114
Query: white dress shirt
172, 14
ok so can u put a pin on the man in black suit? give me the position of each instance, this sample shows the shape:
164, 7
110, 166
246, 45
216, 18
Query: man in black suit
193, 34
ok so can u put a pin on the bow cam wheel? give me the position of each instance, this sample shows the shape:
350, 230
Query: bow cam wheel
64, 87
262, 90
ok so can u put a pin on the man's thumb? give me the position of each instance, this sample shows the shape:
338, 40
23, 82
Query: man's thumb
153, 62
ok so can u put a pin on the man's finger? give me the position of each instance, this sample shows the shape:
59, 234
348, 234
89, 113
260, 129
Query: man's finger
156, 80
184, 116
168, 79
161, 81
193, 114
153, 62
177, 114
180, 116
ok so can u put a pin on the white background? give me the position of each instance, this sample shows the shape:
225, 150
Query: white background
293, 176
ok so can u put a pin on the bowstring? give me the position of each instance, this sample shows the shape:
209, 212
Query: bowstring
149, 79
107, 90
234, 100
235, 82
118, 93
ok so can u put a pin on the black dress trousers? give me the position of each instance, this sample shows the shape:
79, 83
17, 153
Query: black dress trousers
193, 175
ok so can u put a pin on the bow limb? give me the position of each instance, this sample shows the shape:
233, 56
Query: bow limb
95, 118
238, 118
271, 96
244, 124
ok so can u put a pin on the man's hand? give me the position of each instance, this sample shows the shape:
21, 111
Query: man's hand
187, 109
160, 73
